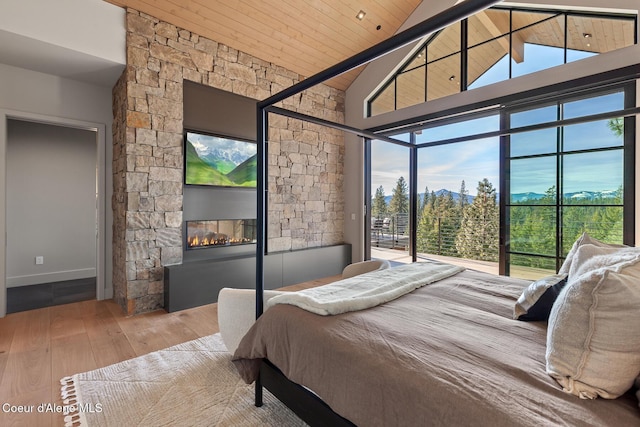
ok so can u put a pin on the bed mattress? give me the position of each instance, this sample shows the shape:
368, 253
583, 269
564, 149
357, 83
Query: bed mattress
448, 353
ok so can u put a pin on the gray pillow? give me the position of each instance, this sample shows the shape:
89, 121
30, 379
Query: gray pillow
537, 299
593, 347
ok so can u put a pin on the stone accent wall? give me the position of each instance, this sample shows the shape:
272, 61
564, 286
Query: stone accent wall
305, 161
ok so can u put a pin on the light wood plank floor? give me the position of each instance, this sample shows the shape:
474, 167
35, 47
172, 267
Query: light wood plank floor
39, 347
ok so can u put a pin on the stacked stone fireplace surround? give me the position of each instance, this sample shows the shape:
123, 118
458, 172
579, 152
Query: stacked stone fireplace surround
305, 161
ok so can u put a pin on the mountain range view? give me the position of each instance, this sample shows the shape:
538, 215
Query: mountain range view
221, 157
221, 166
529, 196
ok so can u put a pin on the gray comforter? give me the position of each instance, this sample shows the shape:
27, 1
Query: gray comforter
447, 354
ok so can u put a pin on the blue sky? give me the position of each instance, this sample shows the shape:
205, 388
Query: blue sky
438, 167
444, 167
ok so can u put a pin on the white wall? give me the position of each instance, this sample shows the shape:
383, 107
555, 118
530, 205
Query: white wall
35, 96
85, 26
50, 203
378, 71
47, 49
77, 39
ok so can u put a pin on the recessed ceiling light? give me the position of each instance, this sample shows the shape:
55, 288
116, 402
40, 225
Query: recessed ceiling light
360, 15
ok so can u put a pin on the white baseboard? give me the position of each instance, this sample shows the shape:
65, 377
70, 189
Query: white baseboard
56, 276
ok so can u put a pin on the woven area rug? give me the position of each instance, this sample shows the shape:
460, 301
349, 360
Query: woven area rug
193, 383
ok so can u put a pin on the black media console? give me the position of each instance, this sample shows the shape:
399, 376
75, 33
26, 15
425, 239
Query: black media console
198, 282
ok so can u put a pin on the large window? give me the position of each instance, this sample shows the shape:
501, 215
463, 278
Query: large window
511, 186
498, 44
563, 181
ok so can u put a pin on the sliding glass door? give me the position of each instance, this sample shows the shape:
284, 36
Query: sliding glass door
390, 177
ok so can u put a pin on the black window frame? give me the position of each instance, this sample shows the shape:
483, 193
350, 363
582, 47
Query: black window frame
628, 151
567, 91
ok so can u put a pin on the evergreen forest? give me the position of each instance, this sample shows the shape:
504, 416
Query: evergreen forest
457, 225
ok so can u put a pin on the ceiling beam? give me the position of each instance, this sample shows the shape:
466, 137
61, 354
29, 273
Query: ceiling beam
517, 43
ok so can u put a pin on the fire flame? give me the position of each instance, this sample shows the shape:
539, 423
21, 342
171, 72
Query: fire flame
197, 241
201, 235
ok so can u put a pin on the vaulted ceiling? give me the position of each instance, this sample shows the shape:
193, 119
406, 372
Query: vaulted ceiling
304, 36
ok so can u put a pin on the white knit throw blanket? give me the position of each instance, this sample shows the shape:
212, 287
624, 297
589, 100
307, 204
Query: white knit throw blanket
366, 290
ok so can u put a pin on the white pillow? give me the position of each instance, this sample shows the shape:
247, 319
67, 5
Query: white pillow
593, 347
584, 239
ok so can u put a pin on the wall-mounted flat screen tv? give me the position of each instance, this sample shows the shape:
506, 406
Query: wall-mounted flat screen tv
219, 161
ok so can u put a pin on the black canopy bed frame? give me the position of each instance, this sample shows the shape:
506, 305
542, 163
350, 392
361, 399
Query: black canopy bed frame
306, 404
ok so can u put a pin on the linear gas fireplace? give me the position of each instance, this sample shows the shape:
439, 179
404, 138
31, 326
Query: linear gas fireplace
220, 232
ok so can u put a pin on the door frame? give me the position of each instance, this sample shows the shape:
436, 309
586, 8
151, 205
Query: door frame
100, 131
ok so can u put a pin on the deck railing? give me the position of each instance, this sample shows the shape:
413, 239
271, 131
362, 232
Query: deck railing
442, 238
391, 232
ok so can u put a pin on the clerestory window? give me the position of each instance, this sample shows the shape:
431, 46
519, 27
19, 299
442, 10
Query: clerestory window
496, 45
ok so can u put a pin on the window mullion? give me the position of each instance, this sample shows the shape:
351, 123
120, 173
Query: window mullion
504, 210
559, 189
629, 186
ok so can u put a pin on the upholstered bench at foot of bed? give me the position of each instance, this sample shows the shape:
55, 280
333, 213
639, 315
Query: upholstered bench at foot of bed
236, 313
364, 267
237, 307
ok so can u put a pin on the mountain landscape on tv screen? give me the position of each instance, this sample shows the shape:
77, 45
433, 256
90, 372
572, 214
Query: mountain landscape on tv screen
221, 162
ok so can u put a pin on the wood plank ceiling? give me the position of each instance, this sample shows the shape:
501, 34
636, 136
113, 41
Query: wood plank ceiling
304, 36
488, 38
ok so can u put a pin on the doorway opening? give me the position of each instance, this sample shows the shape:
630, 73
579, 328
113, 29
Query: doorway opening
52, 214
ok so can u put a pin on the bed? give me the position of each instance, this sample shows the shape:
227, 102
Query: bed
449, 353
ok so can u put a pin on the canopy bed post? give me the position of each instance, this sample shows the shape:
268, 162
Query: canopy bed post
435, 23
261, 244
413, 199
367, 200
261, 215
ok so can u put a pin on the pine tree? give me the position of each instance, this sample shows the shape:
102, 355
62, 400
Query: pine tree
378, 204
427, 235
616, 126
463, 202
479, 231
447, 224
549, 197
432, 201
399, 202
399, 206
422, 204
425, 199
